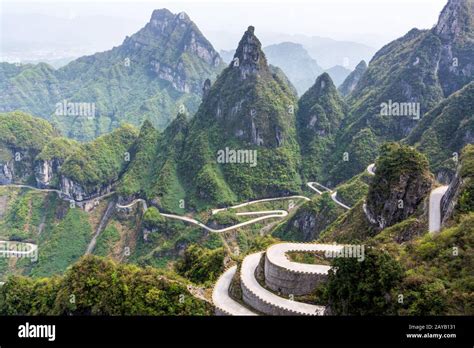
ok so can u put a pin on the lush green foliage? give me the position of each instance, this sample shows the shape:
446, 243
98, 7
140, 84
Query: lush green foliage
414, 68
106, 241
445, 129
439, 278
466, 199
97, 286
63, 244
225, 218
150, 76
402, 180
354, 189
153, 171
240, 113
201, 265
320, 113
152, 218
310, 220
22, 131
101, 161
363, 287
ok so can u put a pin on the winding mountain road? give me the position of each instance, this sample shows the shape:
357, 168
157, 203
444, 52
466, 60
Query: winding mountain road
60, 193
435, 208
221, 298
277, 255
266, 301
333, 193
268, 214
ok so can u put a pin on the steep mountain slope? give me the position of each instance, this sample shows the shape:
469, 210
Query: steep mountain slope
22, 138
135, 291
250, 109
352, 79
435, 278
297, 64
33, 153
294, 60
401, 182
407, 78
445, 129
153, 74
153, 170
320, 113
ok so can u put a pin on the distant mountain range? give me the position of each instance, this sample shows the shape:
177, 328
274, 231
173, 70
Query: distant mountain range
156, 73
301, 69
159, 192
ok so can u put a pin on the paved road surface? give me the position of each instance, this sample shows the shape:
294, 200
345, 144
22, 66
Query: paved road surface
435, 208
333, 193
248, 280
277, 255
221, 298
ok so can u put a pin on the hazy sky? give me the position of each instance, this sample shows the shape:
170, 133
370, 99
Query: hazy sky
373, 22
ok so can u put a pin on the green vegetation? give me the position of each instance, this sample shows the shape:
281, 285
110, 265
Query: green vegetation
353, 158
152, 75
443, 131
401, 182
152, 218
225, 218
362, 287
320, 113
106, 241
58, 148
63, 244
101, 161
310, 220
414, 68
97, 286
439, 279
466, 197
261, 99
23, 131
314, 258
354, 189
23, 215
153, 171
201, 265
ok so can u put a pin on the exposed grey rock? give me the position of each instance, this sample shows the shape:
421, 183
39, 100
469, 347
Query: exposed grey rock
6, 172
351, 81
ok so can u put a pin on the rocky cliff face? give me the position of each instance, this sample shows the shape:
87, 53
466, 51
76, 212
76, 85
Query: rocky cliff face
445, 130
250, 108
172, 43
455, 29
460, 195
16, 165
77, 192
416, 70
165, 65
46, 171
6, 173
310, 220
351, 81
401, 183
320, 113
